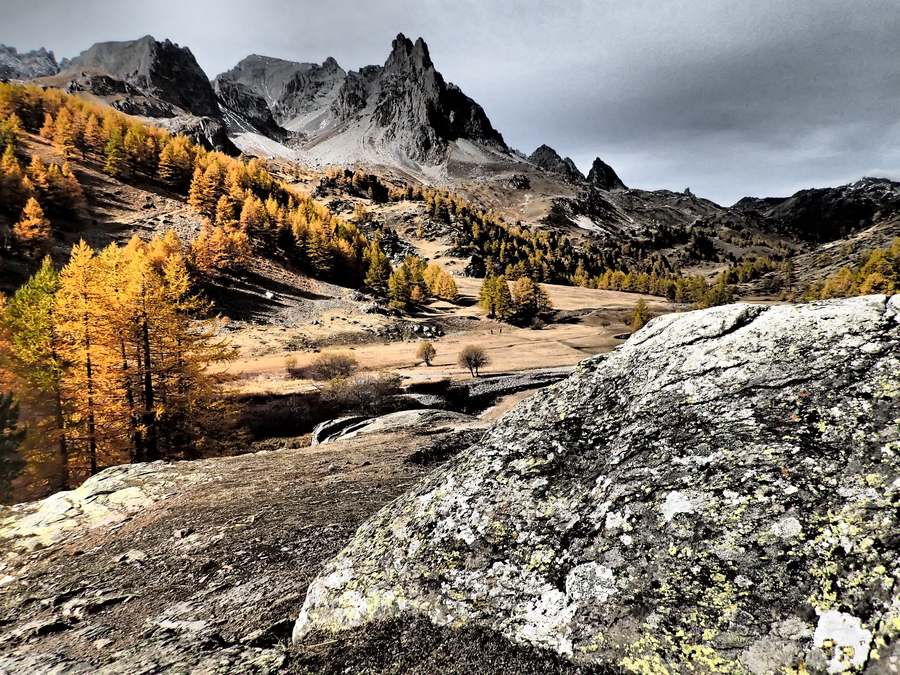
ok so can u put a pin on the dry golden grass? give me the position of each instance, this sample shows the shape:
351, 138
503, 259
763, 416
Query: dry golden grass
510, 349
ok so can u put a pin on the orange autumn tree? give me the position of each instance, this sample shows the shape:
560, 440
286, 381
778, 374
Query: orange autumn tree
15, 188
129, 353
219, 248
80, 321
33, 229
158, 351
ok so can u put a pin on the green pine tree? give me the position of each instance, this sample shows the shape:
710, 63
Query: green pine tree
29, 320
11, 462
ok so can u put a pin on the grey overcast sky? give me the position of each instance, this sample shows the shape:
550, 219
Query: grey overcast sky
727, 97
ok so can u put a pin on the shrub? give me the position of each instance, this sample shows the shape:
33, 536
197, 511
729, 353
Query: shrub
290, 365
333, 365
474, 358
426, 353
367, 393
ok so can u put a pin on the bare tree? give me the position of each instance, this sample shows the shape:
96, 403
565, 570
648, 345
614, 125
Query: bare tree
474, 358
426, 353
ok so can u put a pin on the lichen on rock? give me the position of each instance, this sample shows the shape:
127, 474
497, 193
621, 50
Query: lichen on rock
718, 495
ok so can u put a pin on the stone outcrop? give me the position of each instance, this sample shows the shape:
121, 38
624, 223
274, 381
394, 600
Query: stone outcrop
187, 567
546, 158
210, 132
718, 495
101, 501
15, 65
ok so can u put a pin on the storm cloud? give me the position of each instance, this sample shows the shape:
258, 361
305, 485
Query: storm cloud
726, 98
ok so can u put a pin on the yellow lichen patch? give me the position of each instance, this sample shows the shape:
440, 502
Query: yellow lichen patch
643, 657
540, 558
705, 659
851, 532
874, 479
664, 654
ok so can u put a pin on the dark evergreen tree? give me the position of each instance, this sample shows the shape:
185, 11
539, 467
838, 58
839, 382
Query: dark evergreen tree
11, 462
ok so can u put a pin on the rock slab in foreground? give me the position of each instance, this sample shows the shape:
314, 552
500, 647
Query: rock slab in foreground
718, 495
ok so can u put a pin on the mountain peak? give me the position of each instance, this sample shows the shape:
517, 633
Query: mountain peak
604, 177
404, 107
548, 159
408, 56
163, 70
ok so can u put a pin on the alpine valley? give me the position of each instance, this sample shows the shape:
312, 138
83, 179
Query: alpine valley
304, 369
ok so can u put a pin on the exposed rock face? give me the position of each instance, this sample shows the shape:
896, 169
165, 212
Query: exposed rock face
604, 177
298, 95
189, 566
718, 495
353, 95
161, 70
401, 112
246, 111
548, 159
27, 65
519, 181
419, 112
210, 132
103, 500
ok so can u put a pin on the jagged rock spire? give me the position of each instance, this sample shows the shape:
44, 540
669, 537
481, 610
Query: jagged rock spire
604, 177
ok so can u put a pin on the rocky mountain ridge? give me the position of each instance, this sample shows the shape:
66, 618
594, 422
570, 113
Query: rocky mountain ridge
688, 229
604, 177
546, 158
245, 110
824, 214
154, 79
162, 70
15, 65
297, 94
402, 117
402, 111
